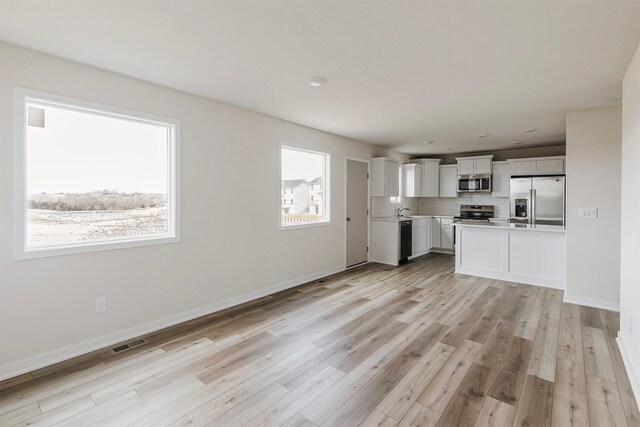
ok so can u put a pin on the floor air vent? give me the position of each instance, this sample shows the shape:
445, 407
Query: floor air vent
128, 346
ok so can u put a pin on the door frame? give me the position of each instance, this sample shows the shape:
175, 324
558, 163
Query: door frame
368, 162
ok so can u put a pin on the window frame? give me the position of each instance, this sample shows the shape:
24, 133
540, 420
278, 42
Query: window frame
327, 188
20, 203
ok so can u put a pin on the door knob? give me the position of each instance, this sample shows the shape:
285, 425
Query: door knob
348, 219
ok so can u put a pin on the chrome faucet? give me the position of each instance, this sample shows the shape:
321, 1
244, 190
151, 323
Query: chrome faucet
399, 211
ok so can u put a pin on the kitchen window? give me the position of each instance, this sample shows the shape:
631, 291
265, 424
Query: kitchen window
92, 177
306, 174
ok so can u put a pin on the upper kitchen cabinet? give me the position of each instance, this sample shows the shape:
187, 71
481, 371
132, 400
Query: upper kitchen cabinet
449, 181
501, 179
430, 176
385, 177
412, 180
537, 166
477, 165
550, 166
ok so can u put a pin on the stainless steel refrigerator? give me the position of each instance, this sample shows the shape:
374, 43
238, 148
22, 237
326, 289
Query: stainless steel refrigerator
537, 200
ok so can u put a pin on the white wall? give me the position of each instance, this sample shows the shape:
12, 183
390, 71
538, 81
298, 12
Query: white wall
47, 305
593, 181
629, 337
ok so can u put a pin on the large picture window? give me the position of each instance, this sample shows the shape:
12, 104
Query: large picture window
304, 190
93, 178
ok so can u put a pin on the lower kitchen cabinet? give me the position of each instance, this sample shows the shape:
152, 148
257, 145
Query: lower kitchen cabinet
419, 237
435, 233
442, 233
446, 233
427, 234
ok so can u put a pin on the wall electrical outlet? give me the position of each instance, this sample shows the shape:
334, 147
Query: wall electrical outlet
101, 304
591, 213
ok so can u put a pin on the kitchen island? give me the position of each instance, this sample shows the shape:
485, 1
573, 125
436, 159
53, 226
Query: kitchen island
530, 254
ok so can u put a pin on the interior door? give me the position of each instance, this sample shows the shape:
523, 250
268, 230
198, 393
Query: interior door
357, 215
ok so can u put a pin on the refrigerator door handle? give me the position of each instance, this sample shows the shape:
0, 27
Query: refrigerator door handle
533, 207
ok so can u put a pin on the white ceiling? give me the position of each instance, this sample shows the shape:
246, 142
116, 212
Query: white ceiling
399, 73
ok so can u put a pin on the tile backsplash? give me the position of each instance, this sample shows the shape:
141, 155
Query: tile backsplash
382, 206
451, 205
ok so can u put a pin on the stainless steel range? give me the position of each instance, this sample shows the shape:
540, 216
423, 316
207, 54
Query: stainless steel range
474, 213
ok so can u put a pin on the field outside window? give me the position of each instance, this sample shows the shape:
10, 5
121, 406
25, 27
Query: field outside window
94, 178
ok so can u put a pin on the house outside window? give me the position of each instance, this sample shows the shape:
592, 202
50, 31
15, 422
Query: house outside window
304, 174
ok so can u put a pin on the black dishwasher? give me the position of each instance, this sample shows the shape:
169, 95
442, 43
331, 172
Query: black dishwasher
405, 241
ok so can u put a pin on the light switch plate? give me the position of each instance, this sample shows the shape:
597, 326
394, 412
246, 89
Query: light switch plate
591, 213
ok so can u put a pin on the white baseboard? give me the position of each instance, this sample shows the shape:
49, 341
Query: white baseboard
590, 302
441, 251
31, 364
632, 373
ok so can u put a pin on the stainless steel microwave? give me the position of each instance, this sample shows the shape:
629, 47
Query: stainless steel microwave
474, 183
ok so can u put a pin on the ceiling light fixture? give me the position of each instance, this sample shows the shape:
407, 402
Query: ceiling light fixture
517, 142
317, 81
484, 135
530, 130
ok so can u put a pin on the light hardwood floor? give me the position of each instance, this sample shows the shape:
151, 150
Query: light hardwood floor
376, 345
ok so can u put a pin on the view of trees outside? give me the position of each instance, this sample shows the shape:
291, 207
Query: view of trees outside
92, 177
302, 189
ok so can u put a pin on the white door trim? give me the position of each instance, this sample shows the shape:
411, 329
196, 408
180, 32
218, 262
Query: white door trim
344, 218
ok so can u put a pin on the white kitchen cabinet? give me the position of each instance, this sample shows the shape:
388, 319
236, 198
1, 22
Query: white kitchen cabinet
537, 166
501, 179
441, 229
524, 167
385, 242
435, 232
419, 236
549, 166
482, 165
449, 181
465, 167
385, 177
430, 176
412, 180
446, 233
476, 165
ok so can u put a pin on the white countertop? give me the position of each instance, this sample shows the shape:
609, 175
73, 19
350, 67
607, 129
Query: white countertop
408, 218
502, 225
391, 218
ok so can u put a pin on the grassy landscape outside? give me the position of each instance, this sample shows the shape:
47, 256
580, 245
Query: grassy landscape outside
68, 218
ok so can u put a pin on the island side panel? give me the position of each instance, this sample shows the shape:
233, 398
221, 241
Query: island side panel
532, 257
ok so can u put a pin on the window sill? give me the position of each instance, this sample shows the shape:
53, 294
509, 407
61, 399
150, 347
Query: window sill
92, 247
299, 226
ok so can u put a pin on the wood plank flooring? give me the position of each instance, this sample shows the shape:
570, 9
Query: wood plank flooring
373, 346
